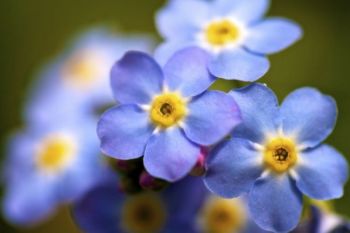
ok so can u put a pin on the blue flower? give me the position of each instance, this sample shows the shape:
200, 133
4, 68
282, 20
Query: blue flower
276, 155
221, 215
326, 221
47, 167
232, 31
106, 210
166, 114
77, 81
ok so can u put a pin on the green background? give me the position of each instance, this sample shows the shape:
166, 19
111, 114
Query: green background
34, 31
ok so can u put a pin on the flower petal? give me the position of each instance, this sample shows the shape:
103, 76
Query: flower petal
99, 209
275, 203
178, 16
136, 78
259, 111
322, 173
309, 116
170, 155
184, 199
272, 35
211, 117
29, 201
167, 49
232, 168
187, 73
124, 131
246, 11
240, 65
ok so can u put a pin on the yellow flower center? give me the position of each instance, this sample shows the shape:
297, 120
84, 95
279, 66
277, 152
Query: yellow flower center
280, 154
168, 109
143, 213
54, 153
222, 32
223, 216
83, 69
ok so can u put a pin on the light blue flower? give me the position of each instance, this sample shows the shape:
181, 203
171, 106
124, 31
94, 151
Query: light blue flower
276, 155
221, 215
327, 221
47, 167
165, 114
105, 209
232, 31
77, 80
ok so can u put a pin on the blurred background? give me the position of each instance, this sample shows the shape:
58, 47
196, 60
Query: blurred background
34, 31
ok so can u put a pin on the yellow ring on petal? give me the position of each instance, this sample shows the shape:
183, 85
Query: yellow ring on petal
280, 154
220, 33
168, 109
83, 69
143, 213
55, 152
223, 215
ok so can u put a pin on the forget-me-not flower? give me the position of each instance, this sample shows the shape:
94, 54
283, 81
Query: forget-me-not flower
325, 220
49, 166
77, 81
276, 155
165, 114
221, 215
232, 31
105, 209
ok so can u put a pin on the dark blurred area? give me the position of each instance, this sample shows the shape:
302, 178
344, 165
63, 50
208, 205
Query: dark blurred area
34, 31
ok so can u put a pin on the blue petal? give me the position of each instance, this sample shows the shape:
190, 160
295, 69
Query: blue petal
88, 167
81, 178
309, 116
259, 111
247, 11
322, 173
275, 203
170, 155
136, 78
272, 35
187, 73
178, 16
29, 201
166, 50
240, 65
232, 168
211, 117
184, 199
99, 210
124, 131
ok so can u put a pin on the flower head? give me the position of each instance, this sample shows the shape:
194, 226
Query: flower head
165, 114
232, 32
276, 155
105, 209
77, 81
47, 167
325, 220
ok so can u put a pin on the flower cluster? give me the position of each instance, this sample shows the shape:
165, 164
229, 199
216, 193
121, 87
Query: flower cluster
178, 156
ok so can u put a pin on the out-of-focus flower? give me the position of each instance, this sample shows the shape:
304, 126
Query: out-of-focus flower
219, 215
276, 155
106, 210
222, 215
165, 114
326, 220
77, 81
232, 31
49, 166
